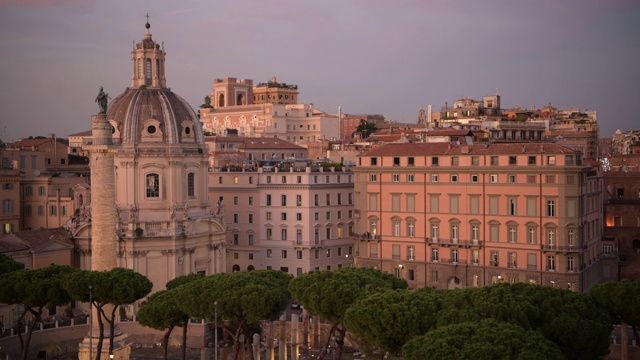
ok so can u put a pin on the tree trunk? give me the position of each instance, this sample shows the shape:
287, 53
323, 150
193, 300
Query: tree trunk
101, 330
184, 339
624, 341
25, 343
165, 342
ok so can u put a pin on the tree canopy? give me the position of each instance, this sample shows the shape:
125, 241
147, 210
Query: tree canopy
161, 311
243, 298
107, 290
35, 289
387, 320
330, 293
365, 129
7, 264
488, 339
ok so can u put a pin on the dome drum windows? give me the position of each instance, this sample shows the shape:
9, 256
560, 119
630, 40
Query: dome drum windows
152, 131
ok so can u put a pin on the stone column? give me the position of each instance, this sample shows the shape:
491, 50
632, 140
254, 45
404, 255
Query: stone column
104, 241
294, 336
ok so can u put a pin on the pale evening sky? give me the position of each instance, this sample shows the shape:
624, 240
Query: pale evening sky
368, 56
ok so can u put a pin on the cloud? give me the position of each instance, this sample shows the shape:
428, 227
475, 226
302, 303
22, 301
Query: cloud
45, 4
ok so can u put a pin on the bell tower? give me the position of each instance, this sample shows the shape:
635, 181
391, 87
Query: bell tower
148, 62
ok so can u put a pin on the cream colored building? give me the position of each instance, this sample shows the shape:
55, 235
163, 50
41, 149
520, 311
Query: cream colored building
165, 226
449, 216
234, 107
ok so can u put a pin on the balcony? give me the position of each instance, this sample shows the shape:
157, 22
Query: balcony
556, 248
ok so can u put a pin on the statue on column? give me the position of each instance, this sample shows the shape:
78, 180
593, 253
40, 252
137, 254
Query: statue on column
102, 99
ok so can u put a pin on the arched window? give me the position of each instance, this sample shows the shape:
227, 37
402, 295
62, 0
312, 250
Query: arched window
153, 185
221, 100
240, 100
191, 188
148, 72
140, 69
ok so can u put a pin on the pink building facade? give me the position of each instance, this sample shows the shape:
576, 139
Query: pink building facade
457, 216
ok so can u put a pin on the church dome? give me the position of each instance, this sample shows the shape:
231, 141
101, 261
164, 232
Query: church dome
148, 113
153, 115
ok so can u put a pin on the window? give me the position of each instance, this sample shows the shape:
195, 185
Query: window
411, 252
512, 233
570, 264
493, 205
410, 178
475, 257
434, 276
551, 159
494, 232
7, 206
474, 178
396, 161
531, 206
434, 254
475, 233
250, 179
475, 160
235, 200
512, 206
339, 199
284, 254
236, 239
299, 216
7, 186
531, 160
411, 203
395, 252
434, 177
373, 177
41, 191
607, 249
299, 256
350, 198
551, 208
513, 160
28, 190
454, 161
250, 240
236, 218
269, 234
434, 161
434, 231
411, 228
494, 160
268, 215
153, 185
551, 238
53, 210
328, 232
284, 179
454, 256
316, 200
395, 226
373, 202
395, 177
568, 159
454, 232
454, 178
551, 263
374, 161
495, 258
283, 216
434, 202
283, 234
512, 260
474, 204
570, 238
531, 235
328, 215
373, 251
316, 236
250, 200
411, 162
283, 200
395, 202
493, 178
316, 216
328, 199
191, 191
512, 179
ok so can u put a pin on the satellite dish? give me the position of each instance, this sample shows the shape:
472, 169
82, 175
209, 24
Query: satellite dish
36, 172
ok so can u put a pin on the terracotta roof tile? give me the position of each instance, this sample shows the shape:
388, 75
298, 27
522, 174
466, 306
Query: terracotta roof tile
33, 239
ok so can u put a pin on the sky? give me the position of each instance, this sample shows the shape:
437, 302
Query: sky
389, 57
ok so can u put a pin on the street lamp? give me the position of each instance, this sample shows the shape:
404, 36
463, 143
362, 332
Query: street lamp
110, 356
215, 331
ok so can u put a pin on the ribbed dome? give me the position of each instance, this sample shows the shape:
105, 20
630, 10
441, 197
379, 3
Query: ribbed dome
151, 116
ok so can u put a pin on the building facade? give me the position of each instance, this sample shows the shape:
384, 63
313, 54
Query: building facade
450, 216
